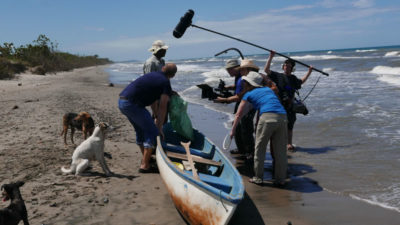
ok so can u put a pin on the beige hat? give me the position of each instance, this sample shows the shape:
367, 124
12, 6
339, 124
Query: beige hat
254, 79
231, 63
247, 63
157, 45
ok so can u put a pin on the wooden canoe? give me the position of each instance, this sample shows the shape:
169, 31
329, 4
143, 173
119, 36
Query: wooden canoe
212, 196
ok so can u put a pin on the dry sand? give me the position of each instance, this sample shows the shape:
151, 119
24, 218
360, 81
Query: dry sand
32, 150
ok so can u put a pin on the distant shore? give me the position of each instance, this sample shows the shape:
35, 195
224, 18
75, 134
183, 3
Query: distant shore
32, 150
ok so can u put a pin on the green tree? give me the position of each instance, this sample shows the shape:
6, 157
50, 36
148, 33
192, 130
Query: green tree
7, 50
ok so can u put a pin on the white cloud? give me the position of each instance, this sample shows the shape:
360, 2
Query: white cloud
98, 29
274, 28
345, 3
363, 3
333, 3
293, 8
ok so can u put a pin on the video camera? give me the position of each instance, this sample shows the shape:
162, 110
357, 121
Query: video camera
213, 93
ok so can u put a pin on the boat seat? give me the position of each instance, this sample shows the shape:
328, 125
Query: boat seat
181, 149
214, 181
195, 158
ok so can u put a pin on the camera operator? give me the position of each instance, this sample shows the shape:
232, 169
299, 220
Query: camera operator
244, 132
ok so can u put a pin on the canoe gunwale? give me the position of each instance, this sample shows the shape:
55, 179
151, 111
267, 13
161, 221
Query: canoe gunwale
234, 199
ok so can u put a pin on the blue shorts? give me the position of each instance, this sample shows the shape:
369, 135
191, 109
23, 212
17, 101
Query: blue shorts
140, 118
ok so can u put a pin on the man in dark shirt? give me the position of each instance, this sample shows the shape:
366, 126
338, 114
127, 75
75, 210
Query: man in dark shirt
134, 99
287, 84
244, 131
232, 67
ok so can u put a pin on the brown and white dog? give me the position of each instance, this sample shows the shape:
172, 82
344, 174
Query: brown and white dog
90, 149
16, 211
82, 121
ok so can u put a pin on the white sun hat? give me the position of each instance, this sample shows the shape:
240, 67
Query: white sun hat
254, 79
247, 63
157, 45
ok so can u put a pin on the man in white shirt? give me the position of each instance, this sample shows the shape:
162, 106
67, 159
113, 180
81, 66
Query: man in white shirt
156, 61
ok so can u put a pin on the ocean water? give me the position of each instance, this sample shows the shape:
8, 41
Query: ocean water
349, 142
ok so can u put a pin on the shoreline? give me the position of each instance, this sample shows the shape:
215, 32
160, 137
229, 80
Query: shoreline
307, 201
32, 150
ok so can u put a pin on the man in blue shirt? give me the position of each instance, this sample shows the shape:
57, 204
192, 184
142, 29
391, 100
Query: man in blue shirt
232, 66
134, 99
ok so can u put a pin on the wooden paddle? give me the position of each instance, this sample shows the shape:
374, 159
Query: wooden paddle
186, 146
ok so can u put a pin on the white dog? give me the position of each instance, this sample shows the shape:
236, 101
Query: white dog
89, 150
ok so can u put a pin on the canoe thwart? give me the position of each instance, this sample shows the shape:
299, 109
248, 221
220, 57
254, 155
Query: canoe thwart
194, 157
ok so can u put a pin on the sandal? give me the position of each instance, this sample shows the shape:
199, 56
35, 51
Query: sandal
280, 184
107, 155
149, 170
256, 180
235, 151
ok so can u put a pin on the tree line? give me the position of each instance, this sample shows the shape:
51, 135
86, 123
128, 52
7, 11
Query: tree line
41, 57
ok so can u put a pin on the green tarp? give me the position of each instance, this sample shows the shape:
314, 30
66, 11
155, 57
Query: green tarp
179, 118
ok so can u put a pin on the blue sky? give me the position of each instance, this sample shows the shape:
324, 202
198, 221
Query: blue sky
124, 30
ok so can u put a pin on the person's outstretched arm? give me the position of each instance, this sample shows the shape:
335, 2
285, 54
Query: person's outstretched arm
161, 113
243, 109
233, 98
267, 67
304, 79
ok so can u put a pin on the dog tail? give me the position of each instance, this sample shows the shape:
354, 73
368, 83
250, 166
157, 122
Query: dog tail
65, 123
72, 169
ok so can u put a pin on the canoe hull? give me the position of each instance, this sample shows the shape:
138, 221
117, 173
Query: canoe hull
196, 204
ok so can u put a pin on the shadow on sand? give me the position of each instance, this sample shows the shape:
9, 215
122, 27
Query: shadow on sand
316, 150
296, 182
98, 174
322, 150
246, 213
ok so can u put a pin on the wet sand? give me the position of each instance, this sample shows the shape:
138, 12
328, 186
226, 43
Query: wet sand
32, 150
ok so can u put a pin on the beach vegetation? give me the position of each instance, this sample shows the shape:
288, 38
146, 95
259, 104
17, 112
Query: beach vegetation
41, 57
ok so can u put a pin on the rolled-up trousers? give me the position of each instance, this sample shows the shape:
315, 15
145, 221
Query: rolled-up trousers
271, 126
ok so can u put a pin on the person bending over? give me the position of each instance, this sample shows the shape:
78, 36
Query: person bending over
272, 125
134, 99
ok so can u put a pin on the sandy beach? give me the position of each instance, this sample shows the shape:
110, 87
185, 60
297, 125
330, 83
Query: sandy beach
32, 150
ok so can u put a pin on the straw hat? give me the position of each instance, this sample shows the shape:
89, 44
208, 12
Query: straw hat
254, 79
157, 45
247, 63
231, 63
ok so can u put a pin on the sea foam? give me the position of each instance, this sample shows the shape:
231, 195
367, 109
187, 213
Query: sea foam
392, 54
127, 67
366, 50
375, 202
328, 57
191, 68
388, 74
386, 70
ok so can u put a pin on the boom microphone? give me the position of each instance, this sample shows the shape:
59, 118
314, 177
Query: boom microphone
183, 24
186, 21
